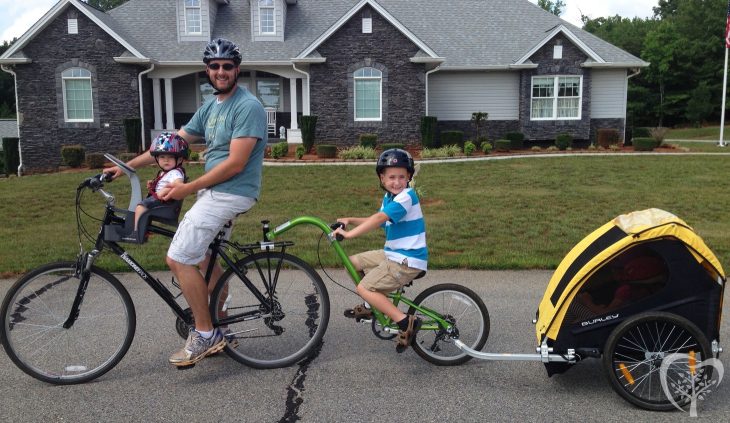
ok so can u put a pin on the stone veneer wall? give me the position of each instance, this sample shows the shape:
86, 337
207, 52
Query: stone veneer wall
495, 129
403, 84
568, 65
42, 127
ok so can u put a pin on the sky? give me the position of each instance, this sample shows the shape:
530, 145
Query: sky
17, 16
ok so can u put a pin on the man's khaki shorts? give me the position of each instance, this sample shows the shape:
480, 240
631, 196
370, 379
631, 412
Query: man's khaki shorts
383, 275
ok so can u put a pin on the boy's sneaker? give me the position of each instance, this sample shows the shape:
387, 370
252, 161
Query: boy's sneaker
197, 348
359, 312
406, 337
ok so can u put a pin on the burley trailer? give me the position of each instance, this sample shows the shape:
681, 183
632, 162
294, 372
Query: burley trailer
643, 292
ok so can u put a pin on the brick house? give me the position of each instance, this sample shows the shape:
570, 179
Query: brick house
373, 66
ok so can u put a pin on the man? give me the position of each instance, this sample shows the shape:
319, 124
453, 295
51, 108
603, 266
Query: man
234, 127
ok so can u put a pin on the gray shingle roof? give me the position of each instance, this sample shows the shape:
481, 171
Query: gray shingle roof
8, 129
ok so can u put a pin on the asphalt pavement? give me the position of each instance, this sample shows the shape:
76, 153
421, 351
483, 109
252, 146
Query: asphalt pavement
355, 378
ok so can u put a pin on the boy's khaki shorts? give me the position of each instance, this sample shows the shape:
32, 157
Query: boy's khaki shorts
383, 275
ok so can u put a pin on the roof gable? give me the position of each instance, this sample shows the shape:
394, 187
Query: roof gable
104, 21
568, 34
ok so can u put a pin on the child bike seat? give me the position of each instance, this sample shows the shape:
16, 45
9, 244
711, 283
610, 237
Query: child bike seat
166, 214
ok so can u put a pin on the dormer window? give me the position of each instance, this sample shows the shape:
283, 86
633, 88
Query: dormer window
267, 22
192, 17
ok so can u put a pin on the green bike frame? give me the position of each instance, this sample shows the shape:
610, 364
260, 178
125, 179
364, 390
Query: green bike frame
434, 320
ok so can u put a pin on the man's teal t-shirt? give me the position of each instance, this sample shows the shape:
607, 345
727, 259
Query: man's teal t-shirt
240, 115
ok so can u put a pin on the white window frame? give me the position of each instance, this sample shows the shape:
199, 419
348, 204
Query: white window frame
270, 7
190, 6
76, 74
372, 77
277, 81
555, 98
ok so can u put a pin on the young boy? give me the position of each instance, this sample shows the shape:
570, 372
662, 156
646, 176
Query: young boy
405, 255
169, 151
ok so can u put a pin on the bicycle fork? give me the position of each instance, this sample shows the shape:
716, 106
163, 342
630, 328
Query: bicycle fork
83, 270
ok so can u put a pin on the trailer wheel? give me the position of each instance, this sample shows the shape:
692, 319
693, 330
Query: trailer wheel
636, 349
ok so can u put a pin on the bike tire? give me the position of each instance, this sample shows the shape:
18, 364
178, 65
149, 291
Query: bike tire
300, 318
634, 353
467, 312
37, 305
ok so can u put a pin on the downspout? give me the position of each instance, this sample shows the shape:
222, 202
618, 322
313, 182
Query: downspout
141, 104
427, 74
17, 118
309, 93
638, 71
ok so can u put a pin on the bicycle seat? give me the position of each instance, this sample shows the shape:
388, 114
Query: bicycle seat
166, 214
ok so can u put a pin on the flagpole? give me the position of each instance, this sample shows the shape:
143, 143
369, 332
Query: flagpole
722, 115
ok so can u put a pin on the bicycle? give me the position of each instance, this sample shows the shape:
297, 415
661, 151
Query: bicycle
71, 322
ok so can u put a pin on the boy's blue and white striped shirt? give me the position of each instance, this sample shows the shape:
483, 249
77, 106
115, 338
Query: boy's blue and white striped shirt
405, 232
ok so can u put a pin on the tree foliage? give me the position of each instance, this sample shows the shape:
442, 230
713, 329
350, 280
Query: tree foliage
555, 7
7, 88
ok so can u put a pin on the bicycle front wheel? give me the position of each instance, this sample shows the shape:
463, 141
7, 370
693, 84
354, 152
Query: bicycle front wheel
464, 309
287, 326
37, 306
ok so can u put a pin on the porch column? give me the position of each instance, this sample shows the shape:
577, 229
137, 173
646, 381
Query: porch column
169, 109
293, 103
305, 97
157, 103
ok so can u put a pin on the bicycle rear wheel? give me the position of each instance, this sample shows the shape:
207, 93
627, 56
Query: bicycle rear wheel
35, 309
464, 309
287, 326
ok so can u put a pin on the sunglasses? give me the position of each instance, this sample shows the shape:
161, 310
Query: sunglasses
225, 66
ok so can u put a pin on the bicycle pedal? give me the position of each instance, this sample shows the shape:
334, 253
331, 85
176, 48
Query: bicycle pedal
189, 366
364, 321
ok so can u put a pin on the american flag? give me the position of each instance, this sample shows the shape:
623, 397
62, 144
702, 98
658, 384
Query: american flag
727, 27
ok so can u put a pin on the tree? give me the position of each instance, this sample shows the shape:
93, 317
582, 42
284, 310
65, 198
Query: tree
105, 5
699, 106
7, 88
554, 7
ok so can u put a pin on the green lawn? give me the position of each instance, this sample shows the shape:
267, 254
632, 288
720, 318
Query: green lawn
504, 214
704, 133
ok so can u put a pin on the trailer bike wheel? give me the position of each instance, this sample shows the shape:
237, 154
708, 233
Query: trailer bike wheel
636, 349
37, 307
464, 309
284, 329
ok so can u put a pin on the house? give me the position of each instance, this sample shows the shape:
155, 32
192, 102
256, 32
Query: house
361, 66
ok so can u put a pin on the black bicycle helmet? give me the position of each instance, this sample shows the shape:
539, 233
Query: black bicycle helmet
220, 48
395, 157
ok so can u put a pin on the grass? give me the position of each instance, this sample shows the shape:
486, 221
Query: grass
505, 214
703, 133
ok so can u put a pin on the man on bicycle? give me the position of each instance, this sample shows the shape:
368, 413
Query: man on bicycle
234, 127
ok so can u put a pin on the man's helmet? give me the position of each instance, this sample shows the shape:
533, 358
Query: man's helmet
169, 143
395, 157
220, 48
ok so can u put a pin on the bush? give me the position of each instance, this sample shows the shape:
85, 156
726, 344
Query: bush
280, 149
95, 160
125, 157
644, 144
194, 156
368, 140
358, 152
133, 134
502, 145
2, 164
452, 138
447, 151
388, 146
516, 139
481, 141
11, 155
563, 141
428, 131
308, 126
72, 155
607, 136
299, 153
641, 132
478, 119
326, 151
486, 147
658, 135
469, 148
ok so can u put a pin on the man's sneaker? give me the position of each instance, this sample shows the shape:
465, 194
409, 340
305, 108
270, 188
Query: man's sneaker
197, 348
230, 338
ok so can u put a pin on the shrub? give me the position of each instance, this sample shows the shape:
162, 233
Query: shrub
517, 140
607, 136
368, 140
280, 149
481, 141
95, 160
11, 155
194, 156
478, 119
535, 148
469, 148
125, 157
563, 141
552, 148
428, 131
644, 144
308, 125
133, 134
658, 135
72, 155
2, 164
299, 153
447, 151
502, 145
326, 151
486, 147
358, 152
641, 132
388, 146
452, 138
